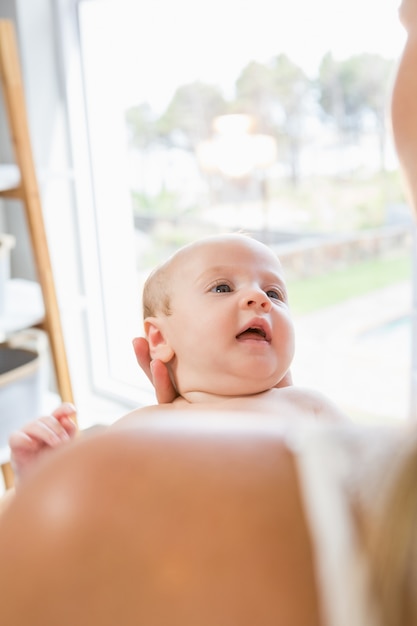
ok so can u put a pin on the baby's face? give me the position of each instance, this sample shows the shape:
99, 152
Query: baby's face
230, 325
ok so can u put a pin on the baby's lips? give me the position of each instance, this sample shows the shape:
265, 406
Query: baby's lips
256, 329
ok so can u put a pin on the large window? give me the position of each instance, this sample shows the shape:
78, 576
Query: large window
268, 117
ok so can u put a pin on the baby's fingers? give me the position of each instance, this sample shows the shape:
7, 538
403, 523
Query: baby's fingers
65, 410
69, 426
45, 431
19, 441
66, 414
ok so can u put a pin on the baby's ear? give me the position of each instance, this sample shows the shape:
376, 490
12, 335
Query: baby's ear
159, 348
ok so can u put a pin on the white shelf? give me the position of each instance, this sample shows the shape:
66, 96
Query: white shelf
9, 177
4, 455
23, 307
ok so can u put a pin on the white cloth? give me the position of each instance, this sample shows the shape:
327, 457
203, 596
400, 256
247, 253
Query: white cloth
326, 459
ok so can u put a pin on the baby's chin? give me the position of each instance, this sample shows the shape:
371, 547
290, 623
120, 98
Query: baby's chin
252, 385
209, 393
249, 387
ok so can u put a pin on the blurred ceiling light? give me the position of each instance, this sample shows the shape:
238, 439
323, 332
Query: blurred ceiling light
234, 150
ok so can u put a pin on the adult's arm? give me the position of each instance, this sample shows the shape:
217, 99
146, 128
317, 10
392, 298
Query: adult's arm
160, 523
404, 102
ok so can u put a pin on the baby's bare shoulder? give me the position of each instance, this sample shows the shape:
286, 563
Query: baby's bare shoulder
310, 401
140, 413
295, 392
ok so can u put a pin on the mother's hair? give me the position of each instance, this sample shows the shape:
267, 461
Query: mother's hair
161, 524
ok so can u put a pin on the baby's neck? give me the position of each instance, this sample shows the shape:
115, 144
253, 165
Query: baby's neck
205, 397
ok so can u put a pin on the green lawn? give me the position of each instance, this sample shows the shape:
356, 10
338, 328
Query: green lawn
316, 292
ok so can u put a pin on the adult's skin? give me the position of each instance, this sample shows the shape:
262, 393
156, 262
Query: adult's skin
159, 524
155, 370
404, 102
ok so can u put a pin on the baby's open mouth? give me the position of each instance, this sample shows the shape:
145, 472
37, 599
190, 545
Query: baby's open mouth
252, 333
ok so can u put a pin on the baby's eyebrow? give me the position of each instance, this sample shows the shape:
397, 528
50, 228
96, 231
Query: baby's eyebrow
215, 270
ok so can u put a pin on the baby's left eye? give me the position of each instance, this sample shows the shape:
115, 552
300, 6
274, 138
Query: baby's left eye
223, 288
274, 294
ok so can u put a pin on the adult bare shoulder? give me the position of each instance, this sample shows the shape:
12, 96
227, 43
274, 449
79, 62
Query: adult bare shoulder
408, 14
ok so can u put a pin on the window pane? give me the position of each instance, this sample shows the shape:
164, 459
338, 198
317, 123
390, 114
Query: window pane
269, 118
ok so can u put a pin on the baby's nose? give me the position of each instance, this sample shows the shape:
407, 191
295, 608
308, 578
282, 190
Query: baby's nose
257, 298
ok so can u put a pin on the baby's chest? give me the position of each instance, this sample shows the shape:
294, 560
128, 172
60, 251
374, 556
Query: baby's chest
275, 402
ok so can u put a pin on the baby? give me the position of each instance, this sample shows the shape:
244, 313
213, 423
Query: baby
217, 314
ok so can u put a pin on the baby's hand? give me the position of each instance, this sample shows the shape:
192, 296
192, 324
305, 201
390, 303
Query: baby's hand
42, 434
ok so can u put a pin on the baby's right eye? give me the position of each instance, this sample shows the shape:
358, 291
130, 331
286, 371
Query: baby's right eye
221, 288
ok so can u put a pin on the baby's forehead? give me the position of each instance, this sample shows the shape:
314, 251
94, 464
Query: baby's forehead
224, 255
226, 249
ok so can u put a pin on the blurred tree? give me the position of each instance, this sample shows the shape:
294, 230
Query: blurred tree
254, 96
189, 116
140, 126
278, 95
293, 91
353, 95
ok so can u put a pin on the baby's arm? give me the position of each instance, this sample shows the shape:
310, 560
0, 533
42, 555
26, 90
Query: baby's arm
44, 433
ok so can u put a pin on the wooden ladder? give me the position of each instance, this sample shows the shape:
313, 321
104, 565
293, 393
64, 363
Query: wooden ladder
27, 192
